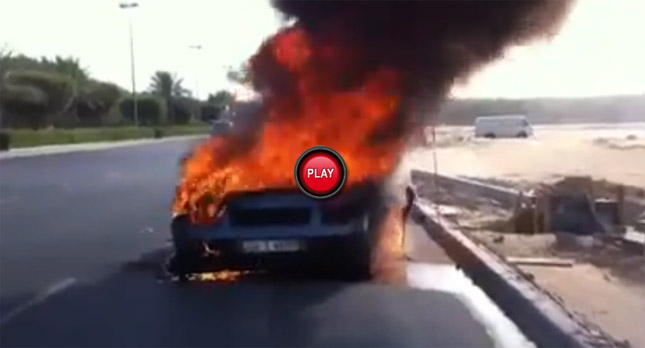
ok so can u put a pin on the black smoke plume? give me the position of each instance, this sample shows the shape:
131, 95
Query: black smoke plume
353, 75
430, 43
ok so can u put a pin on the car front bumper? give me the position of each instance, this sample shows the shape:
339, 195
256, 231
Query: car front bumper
316, 252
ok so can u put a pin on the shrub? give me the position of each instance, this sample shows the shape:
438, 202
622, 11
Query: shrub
183, 109
149, 110
181, 113
95, 101
157, 133
34, 96
25, 104
5, 140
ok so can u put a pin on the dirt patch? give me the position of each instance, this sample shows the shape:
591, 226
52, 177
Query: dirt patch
596, 297
603, 285
452, 137
600, 187
470, 213
492, 224
611, 259
629, 142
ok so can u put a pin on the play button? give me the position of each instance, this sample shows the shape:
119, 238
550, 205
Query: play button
320, 172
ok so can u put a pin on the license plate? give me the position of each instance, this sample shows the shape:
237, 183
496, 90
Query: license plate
271, 246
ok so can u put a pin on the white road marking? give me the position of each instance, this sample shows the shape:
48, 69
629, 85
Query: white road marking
39, 298
146, 230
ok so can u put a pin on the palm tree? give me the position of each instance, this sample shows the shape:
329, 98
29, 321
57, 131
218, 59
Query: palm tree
167, 86
72, 68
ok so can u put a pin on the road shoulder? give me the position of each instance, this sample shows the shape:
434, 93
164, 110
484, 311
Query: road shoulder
56, 149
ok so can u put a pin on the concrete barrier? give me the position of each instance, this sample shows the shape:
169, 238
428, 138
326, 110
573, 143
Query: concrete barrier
540, 318
505, 197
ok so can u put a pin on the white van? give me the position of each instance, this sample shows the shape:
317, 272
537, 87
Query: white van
506, 126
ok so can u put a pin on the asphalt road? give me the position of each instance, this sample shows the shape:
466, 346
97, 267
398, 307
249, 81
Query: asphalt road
80, 240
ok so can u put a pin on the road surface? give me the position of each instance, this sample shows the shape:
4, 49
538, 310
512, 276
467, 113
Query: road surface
82, 235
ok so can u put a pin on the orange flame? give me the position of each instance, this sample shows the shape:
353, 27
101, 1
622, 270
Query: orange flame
388, 265
341, 120
226, 276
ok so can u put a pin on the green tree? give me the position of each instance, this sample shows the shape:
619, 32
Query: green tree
167, 86
13, 62
241, 75
94, 101
38, 96
221, 98
215, 105
64, 66
69, 67
148, 110
80, 79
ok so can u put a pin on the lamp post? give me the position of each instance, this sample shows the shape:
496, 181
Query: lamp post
198, 48
126, 6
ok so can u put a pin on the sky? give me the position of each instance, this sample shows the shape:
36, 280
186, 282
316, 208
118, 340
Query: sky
599, 51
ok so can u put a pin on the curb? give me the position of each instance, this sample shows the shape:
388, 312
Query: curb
84, 147
540, 318
505, 196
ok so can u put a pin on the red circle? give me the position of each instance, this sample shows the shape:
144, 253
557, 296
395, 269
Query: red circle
320, 173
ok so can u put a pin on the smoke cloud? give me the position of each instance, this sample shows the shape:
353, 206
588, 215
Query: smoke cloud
430, 44
353, 75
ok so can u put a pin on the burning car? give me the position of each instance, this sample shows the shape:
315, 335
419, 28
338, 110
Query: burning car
279, 229
353, 76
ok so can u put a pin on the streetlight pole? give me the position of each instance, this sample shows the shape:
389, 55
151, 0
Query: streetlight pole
198, 48
132, 5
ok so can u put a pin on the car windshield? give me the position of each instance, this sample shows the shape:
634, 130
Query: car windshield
322, 173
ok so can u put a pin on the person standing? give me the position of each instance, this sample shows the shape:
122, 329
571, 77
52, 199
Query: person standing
410, 196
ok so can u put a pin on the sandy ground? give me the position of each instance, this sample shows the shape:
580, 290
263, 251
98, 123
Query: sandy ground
604, 286
612, 154
595, 288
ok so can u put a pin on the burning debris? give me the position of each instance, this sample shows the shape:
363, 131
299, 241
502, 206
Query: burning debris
226, 276
348, 75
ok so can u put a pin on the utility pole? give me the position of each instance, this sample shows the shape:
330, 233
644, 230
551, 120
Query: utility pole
197, 65
1, 87
125, 6
4, 54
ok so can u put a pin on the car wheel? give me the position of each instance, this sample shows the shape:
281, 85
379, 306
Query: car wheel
522, 135
360, 269
185, 262
357, 263
185, 258
490, 136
